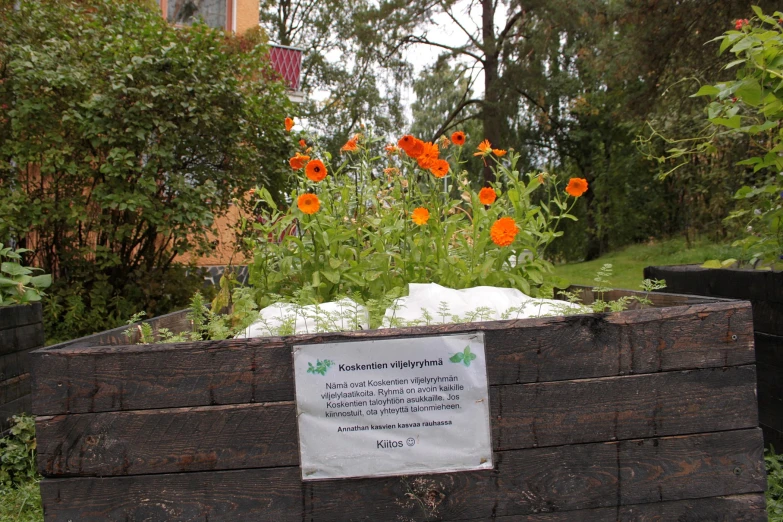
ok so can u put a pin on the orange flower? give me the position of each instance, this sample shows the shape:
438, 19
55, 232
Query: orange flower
499, 152
298, 161
576, 187
458, 138
315, 171
420, 215
351, 145
308, 203
484, 148
440, 168
444, 142
503, 231
391, 148
417, 149
289, 124
303, 144
406, 142
541, 178
428, 156
487, 196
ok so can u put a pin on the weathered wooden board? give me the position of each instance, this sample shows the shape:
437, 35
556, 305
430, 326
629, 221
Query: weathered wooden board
14, 316
744, 284
112, 378
737, 508
13, 389
15, 364
523, 416
21, 338
564, 478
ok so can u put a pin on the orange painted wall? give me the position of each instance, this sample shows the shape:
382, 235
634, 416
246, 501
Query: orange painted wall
246, 15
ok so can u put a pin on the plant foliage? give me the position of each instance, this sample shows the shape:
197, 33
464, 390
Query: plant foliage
121, 139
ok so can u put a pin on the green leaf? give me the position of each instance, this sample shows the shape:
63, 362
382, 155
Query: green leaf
456, 358
712, 263
14, 269
706, 90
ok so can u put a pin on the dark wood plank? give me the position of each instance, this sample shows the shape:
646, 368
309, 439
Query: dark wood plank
20, 315
15, 364
110, 378
769, 349
616, 408
533, 481
735, 508
175, 321
21, 338
165, 441
672, 468
15, 388
745, 284
7, 410
767, 317
523, 416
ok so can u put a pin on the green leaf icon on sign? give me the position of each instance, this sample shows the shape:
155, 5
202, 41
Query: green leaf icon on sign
463, 357
320, 366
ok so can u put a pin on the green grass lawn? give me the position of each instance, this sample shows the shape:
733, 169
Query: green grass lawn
628, 263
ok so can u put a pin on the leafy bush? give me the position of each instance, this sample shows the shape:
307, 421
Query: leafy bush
17, 284
774, 464
17, 453
751, 107
121, 138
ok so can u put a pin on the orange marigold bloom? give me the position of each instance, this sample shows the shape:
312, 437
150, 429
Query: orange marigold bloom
420, 215
351, 145
428, 156
391, 148
440, 168
444, 142
308, 203
576, 187
303, 144
417, 149
458, 138
541, 178
503, 231
406, 142
484, 148
298, 161
316, 170
289, 124
487, 196
499, 152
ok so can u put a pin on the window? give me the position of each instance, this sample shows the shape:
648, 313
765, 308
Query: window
214, 13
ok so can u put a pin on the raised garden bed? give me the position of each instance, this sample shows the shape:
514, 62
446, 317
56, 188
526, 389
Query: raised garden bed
764, 289
639, 414
21, 331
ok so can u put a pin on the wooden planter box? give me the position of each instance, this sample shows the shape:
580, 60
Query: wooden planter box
635, 415
764, 289
21, 331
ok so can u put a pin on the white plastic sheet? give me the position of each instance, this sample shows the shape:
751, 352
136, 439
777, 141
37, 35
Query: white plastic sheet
287, 318
435, 304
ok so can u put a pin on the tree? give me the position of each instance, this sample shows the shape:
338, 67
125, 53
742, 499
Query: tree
121, 137
349, 76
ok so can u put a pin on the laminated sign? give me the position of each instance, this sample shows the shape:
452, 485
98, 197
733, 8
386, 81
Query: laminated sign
393, 407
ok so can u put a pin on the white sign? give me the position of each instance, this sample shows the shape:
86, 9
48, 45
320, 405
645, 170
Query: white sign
393, 407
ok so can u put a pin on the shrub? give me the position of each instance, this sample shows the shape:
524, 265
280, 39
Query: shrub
121, 138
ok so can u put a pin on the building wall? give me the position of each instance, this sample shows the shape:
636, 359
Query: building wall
246, 15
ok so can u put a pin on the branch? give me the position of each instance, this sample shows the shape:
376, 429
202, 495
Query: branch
445, 125
455, 50
509, 25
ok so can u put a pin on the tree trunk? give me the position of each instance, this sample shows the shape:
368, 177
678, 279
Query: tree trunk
490, 115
